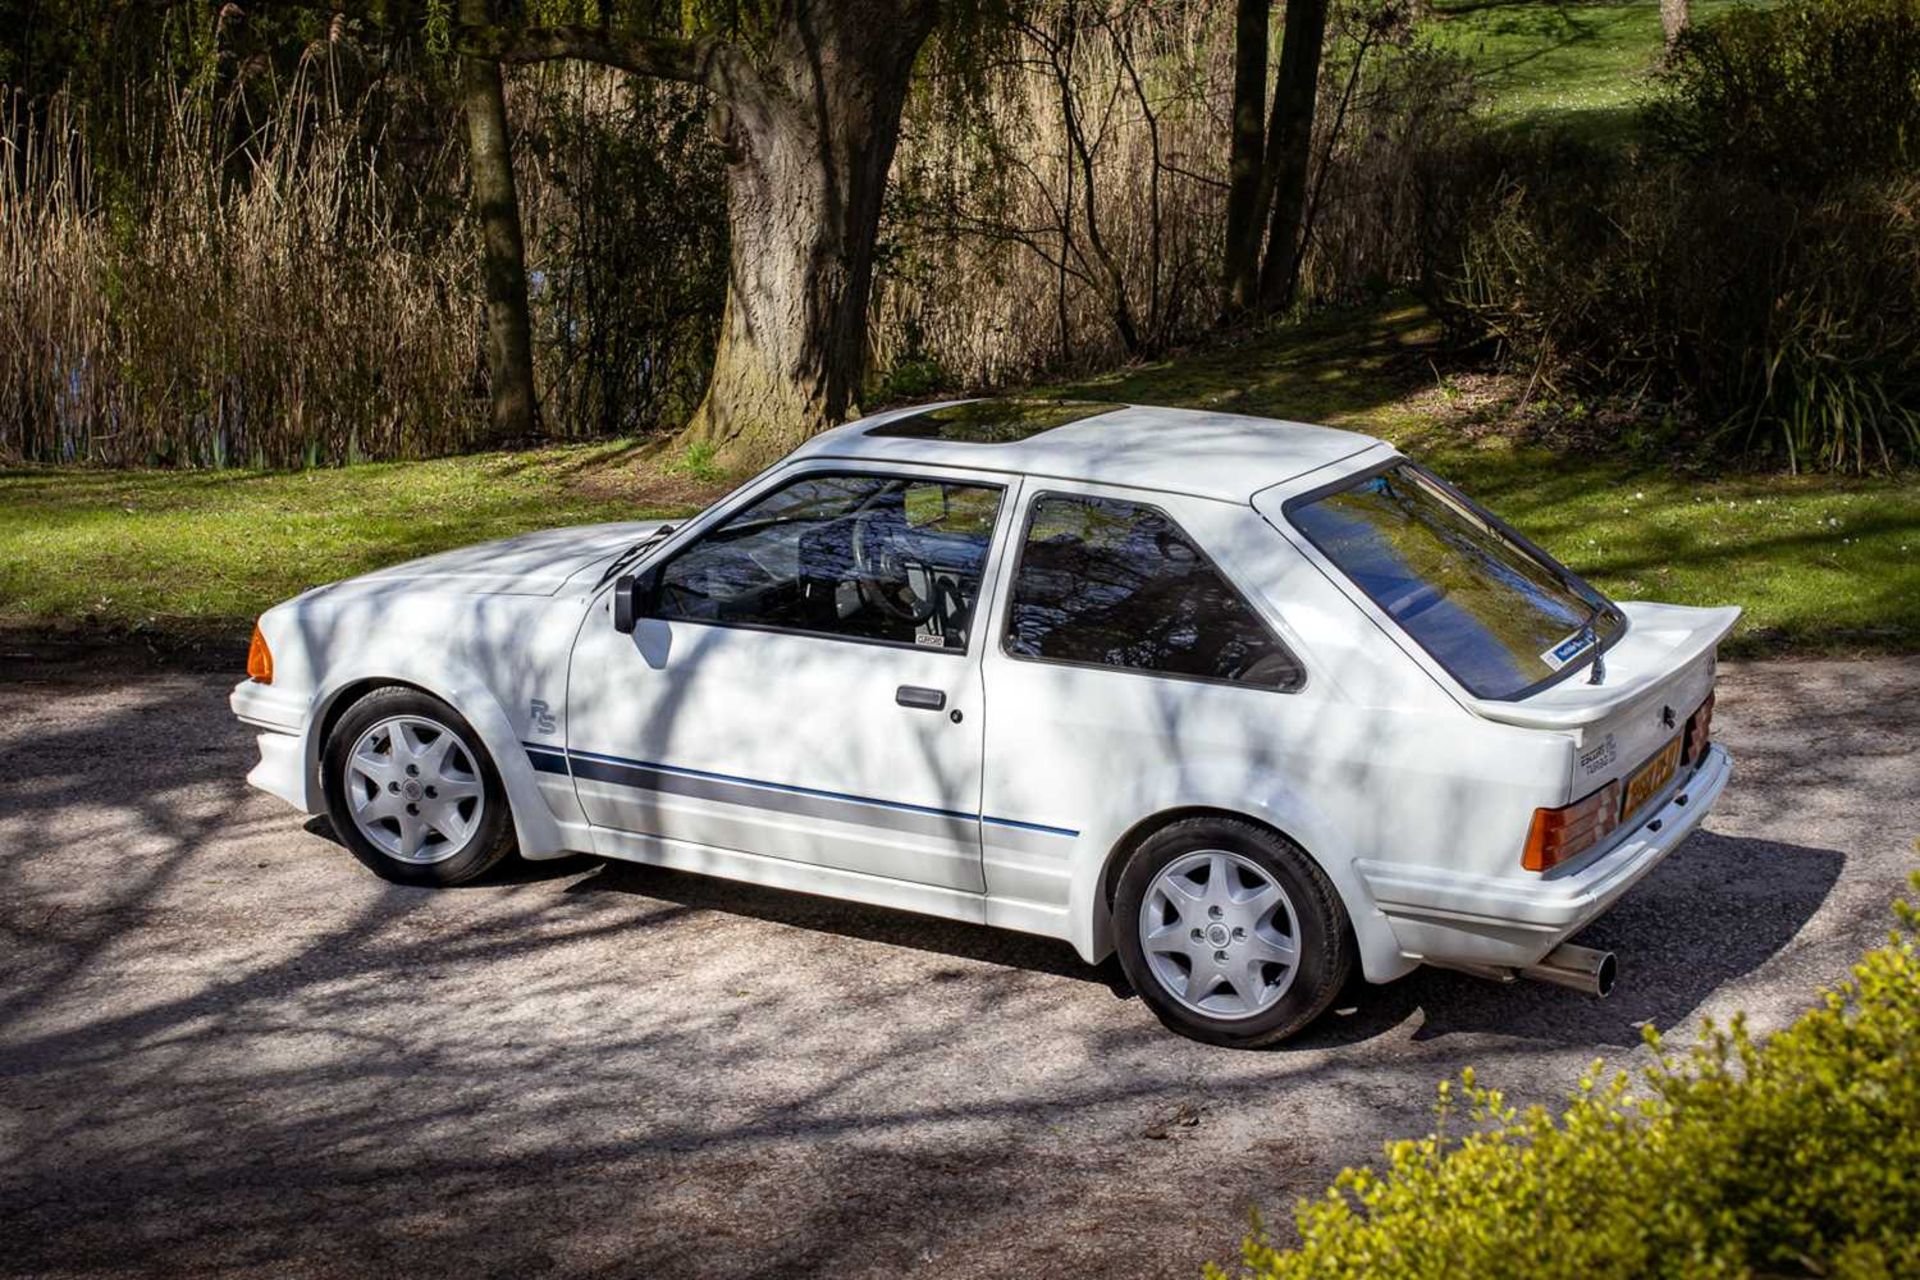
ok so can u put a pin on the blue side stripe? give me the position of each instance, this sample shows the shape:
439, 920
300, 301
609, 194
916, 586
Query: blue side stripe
1028, 826
546, 759
554, 760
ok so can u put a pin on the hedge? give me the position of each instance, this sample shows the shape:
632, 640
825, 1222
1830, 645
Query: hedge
1799, 1156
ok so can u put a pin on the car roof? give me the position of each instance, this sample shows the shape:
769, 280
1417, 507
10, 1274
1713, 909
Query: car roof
1227, 456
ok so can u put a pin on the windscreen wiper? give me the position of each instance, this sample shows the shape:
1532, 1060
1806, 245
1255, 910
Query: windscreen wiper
633, 553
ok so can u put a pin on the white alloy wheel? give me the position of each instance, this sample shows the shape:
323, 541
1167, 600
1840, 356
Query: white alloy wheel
1219, 934
414, 789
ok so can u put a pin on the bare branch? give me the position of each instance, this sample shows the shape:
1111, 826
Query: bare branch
713, 64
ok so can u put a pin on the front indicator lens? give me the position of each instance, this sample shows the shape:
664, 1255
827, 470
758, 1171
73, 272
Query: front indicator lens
259, 658
1560, 834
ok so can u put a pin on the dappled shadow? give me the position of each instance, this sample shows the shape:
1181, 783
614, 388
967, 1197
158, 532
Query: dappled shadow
928, 934
223, 1045
510, 871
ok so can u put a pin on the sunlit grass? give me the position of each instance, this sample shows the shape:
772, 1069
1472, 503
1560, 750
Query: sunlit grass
1820, 564
1583, 66
204, 552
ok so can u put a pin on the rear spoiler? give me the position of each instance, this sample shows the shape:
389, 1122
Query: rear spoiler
1661, 640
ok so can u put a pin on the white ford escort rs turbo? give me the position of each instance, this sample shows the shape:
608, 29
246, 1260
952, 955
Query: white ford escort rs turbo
1250, 702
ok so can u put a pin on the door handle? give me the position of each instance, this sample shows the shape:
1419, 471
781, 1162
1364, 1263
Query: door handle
920, 699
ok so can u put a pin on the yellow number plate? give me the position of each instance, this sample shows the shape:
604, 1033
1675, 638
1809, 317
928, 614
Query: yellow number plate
1651, 776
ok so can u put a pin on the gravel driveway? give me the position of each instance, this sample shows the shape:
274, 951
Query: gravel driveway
226, 1048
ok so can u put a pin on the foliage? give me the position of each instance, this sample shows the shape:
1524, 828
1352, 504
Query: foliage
628, 285
1806, 95
280, 302
1800, 1156
290, 277
1065, 211
1763, 283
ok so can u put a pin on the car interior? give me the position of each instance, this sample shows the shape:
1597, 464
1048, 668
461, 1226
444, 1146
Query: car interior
883, 559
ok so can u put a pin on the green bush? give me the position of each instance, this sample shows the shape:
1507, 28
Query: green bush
1799, 1156
1804, 94
1754, 278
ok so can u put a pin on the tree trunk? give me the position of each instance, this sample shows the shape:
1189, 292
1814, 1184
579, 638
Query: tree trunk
513, 412
1241, 261
808, 116
1290, 146
808, 147
1673, 20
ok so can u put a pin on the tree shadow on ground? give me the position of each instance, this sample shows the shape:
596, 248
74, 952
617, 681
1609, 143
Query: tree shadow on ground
1674, 950
931, 934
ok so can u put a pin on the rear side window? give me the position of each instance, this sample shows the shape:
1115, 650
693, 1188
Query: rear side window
1109, 583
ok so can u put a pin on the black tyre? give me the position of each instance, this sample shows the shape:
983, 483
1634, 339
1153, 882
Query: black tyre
412, 792
1230, 932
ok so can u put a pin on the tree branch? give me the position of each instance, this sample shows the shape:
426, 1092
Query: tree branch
713, 64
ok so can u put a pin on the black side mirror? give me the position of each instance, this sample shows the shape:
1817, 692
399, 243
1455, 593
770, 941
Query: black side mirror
635, 596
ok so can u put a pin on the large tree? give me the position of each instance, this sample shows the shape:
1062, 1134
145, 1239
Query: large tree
514, 411
1268, 168
806, 107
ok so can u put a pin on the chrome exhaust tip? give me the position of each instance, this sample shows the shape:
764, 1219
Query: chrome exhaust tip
1580, 968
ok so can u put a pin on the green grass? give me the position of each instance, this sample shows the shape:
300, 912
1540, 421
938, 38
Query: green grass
1820, 564
1582, 67
202, 553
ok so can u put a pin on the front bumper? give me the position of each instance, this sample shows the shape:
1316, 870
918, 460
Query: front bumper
282, 770
1446, 917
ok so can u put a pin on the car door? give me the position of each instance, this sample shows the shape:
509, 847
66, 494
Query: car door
808, 687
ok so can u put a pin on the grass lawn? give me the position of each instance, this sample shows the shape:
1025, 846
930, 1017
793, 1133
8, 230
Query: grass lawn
1580, 66
1820, 564
199, 554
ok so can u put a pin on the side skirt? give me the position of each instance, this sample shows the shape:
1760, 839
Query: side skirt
830, 882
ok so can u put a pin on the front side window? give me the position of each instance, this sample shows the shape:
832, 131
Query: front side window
1500, 615
864, 557
1105, 582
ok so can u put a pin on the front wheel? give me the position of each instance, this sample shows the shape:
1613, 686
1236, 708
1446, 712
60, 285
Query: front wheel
1230, 932
412, 792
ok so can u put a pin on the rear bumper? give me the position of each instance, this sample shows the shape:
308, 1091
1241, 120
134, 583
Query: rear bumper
282, 770
1444, 917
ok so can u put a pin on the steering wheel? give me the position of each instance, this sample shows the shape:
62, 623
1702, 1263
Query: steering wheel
880, 570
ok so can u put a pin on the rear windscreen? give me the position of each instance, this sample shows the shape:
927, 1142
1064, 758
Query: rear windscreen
1501, 616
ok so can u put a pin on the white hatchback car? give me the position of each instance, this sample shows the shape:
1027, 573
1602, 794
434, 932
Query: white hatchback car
1250, 702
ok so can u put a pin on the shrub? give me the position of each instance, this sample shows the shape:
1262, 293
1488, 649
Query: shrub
1800, 1156
1756, 277
1805, 94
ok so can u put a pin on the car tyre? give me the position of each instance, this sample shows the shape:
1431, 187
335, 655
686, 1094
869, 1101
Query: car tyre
1230, 932
412, 792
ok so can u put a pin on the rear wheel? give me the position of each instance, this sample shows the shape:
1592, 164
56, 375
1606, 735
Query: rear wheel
412, 792
1230, 932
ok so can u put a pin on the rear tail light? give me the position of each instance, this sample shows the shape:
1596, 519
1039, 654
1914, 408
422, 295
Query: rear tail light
259, 658
1699, 733
1560, 834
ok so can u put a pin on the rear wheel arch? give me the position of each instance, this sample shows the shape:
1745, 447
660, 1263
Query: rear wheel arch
1378, 953
1146, 828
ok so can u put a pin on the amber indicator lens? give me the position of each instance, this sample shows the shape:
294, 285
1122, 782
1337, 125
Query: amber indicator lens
1560, 834
259, 658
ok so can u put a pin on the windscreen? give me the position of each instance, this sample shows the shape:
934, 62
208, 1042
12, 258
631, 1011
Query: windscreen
1502, 617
